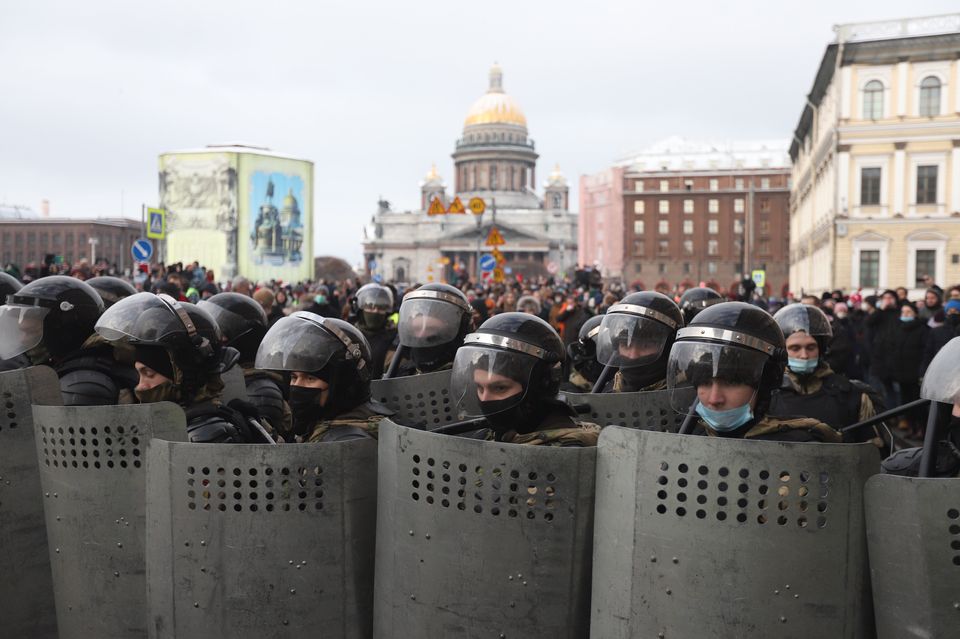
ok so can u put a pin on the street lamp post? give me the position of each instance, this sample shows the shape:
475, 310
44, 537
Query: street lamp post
479, 219
93, 250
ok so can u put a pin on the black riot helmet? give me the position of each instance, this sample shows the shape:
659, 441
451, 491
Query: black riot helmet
941, 382
373, 305
433, 322
583, 352
57, 310
328, 348
508, 371
111, 289
696, 299
241, 320
8, 286
803, 318
733, 341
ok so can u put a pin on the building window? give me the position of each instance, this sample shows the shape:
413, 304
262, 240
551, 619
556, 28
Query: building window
764, 205
713, 206
873, 100
714, 184
738, 205
638, 268
713, 227
738, 226
686, 268
664, 206
764, 247
688, 227
930, 96
688, 247
638, 247
688, 185
764, 227
712, 268
664, 186
662, 268
638, 186
493, 177
738, 184
638, 227
663, 247
664, 227
713, 247
688, 206
927, 184
764, 183
870, 186
926, 266
869, 269
639, 206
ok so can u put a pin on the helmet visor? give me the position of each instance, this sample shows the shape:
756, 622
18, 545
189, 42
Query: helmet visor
375, 300
142, 318
694, 365
941, 382
800, 318
626, 341
296, 344
21, 328
487, 381
232, 325
428, 322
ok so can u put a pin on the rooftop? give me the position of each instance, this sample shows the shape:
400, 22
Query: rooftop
677, 154
237, 147
901, 28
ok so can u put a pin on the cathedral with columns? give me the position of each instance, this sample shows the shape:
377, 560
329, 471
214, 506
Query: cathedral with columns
496, 161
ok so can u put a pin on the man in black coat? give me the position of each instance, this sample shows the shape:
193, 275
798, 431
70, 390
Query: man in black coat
940, 335
883, 326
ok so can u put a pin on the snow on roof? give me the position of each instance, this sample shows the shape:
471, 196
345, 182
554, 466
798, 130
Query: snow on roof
15, 211
676, 153
237, 147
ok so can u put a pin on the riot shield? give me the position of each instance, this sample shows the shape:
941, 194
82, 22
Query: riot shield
481, 539
711, 537
261, 541
913, 531
649, 410
26, 588
234, 384
93, 477
418, 401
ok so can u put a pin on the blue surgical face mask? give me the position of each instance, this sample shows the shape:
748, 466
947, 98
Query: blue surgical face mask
725, 421
907, 318
803, 366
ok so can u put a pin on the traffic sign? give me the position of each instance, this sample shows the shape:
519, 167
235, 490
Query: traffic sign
552, 268
759, 278
477, 205
436, 207
156, 223
372, 265
487, 262
498, 274
456, 207
495, 238
142, 250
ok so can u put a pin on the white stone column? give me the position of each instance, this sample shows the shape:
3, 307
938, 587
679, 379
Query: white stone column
899, 204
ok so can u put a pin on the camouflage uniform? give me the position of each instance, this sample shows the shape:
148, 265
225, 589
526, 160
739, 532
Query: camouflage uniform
556, 430
578, 383
781, 429
619, 385
364, 417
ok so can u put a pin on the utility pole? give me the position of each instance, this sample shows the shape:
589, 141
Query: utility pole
748, 233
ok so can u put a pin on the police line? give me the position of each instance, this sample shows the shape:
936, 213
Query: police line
426, 535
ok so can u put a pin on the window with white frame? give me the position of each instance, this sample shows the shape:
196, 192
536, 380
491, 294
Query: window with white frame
713, 206
870, 185
638, 186
688, 247
664, 227
713, 227
639, 206
930, 96
873, 100
738, 184
738, 226
925, 265
926, 256
870, 268
764, 183
664, 206
738, 205
713, 247
664, 186
638, 227
688, 227
688, 185
927, 184
688, 206
712, 268
714, 184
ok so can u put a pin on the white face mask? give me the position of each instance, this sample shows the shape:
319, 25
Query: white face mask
841, 315
864, 307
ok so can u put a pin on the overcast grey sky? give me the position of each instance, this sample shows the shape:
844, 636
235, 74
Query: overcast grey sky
374, 92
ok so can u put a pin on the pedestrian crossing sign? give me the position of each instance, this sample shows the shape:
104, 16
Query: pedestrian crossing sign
436, 207
495, 238
457, 207
156, 224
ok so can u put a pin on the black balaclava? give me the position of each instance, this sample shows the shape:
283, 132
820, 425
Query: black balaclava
525, 416
639, 377
431, 358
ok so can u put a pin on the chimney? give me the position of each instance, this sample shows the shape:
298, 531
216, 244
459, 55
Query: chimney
45, 207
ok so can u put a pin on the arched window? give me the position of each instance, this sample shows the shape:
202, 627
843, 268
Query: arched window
557, 201
873, 100
493, 177
930, 96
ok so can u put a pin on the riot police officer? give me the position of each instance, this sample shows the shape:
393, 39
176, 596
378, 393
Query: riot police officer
582, 357
730, 360
508, 372
695, 300
179, 358
243, 323
50, 321
328, 361
433, 322
635, 337
372, 308
8, 286
111, 289
810, 387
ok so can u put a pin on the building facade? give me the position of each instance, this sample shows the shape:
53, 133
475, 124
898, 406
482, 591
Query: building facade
494, 160
697, 212
875, 200
601, 239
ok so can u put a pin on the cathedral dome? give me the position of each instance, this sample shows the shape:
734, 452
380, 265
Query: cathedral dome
495, 106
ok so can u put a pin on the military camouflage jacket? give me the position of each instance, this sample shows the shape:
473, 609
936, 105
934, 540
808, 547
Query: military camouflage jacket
364, 417
580, 382
787, 429
619, 383
556, 430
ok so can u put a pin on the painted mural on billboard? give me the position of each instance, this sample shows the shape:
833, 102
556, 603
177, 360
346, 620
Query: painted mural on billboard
277, 224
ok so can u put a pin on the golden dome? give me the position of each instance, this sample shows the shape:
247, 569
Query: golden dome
495, 106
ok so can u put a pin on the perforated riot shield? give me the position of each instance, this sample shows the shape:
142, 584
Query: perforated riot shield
26, 588
261, 541
711, 537
234, 384
481, 539
418, 401
93, 477
913, 530
650, 410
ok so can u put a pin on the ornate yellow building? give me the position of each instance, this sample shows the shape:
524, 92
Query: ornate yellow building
875, 195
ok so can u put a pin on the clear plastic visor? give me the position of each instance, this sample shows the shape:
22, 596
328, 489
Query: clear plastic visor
21, 328
143, 318
696, 366
232, 325
375, 301
626, 341
941, 382
427, 322
294, 344
486, 381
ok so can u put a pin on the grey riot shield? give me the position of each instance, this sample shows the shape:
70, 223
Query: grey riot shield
482, 539
26, 588
261, 541
418, 401
234, 385
913, 529
649, 410
711, 537
93, 477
